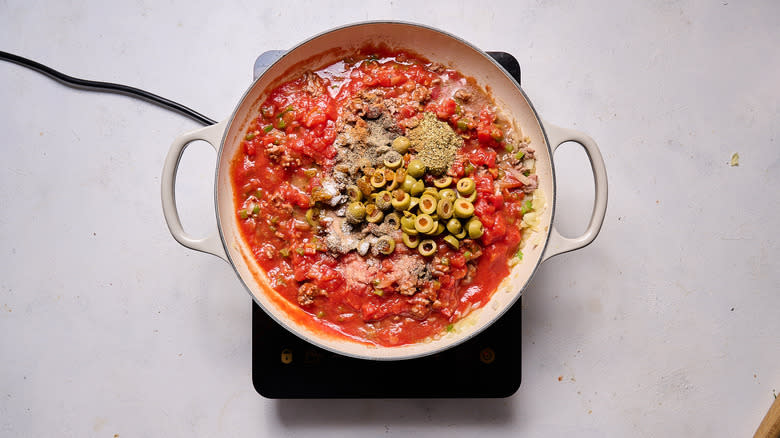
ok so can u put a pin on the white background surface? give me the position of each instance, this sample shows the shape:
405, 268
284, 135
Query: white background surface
666, 326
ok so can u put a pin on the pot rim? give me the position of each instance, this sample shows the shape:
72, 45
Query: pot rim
466, 336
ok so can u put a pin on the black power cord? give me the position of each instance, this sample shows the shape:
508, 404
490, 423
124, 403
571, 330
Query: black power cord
107, 87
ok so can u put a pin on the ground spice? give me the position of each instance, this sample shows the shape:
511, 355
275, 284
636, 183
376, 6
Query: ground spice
435, 143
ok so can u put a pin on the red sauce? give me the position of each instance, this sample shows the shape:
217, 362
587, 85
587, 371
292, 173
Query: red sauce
288, 148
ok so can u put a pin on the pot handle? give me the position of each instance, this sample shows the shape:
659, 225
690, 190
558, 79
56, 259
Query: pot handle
211, 244
557, 243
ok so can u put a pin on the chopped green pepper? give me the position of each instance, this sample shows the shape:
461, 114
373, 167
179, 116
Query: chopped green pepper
268, 128
243, 214
526, 207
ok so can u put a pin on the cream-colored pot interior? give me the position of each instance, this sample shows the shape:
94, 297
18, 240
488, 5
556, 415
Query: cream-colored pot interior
316, 52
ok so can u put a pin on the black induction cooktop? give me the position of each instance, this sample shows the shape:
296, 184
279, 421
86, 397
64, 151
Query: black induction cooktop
488, 365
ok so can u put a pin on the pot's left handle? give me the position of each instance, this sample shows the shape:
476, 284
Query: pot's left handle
211, 244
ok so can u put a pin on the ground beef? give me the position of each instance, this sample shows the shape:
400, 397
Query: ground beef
307, 292
463, 95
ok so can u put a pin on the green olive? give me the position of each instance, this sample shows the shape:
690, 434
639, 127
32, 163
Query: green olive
393, 185
310, 214
427, 247
427, 204
466, 186
439, 228
385, 245
416, 168
444, 208
424, 224
383, 200
454, 226
409, 230
393, 220
462, 234
453, 241
431, 191
471, 198
407, 224
408, 183
411, 241
414, 203
401, 144
373, 214
442, 182
354, 193
356, 212
401, 200
378, 180
463, 208
475, 229
417, 188
448, 194
392, 160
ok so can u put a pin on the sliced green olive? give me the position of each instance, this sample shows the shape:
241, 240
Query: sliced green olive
409, 230
393, 220
392, 160
432, 191
407, 221
310, 214
448, 194
416, 168
462, 235
454, 226
474, 227
393, 185
373, 214
444, 208
411, 241
408, 183
385, 245
389, 175
401, 144
417, 188
424, 224
414, 203
466, 186
383, 200
401, 200
427, 204
442, 182
439, 228
463, 208
471, 198
378, 180
427, 247
452, 241
356, 212
354, 193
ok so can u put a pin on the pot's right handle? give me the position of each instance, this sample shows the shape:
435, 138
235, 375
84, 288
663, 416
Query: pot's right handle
557, 243
211, 244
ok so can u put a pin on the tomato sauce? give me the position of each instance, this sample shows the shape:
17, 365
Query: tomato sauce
288, 151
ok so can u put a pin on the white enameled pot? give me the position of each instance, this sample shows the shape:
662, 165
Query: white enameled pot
331, 46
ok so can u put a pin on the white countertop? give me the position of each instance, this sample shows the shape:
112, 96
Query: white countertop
667, 325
